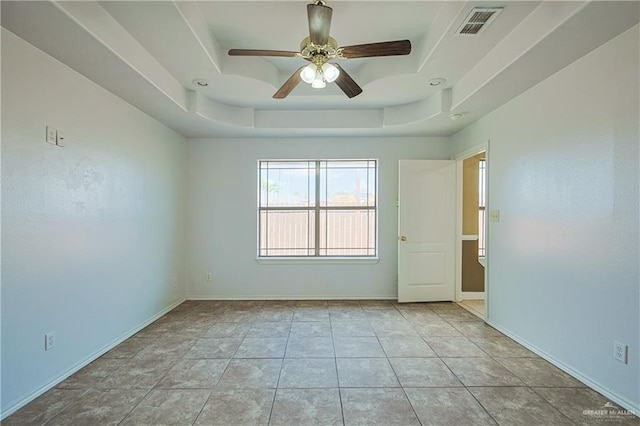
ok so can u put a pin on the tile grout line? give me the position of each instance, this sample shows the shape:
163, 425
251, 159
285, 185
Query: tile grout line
195, 419
219, 378
335, 361
275, 392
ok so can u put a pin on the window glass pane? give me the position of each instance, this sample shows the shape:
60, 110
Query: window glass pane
482, 177
287, 184
346, 183
287, 233
264, 187
481, 236
372, 183
347, 232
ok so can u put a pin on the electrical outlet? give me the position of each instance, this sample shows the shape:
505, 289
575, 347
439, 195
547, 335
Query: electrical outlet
49, 341
209, 277
59, 138
620, 352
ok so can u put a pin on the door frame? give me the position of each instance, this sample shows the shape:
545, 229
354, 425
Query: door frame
459, 158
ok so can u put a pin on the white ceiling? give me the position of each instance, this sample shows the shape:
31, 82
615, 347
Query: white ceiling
148, 53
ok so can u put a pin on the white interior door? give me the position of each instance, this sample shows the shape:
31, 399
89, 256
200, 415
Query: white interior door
426, 225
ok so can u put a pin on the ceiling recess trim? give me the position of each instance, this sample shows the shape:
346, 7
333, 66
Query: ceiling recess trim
478, 20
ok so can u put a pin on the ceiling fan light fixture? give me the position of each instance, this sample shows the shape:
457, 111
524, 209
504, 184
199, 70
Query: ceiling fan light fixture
308, 73
319, 48
330, 72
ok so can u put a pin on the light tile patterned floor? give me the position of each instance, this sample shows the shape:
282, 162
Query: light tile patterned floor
476, 307
319, 362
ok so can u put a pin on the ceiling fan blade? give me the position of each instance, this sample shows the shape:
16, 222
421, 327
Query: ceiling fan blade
289, 85
386, 48
258, 52
319, 23
347, 84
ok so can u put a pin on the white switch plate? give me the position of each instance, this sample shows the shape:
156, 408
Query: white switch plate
494, 216
50, 136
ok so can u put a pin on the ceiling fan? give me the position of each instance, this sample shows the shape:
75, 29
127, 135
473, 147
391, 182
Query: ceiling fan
319, 48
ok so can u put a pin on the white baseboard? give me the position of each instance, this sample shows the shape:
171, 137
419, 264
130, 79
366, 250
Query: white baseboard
472, 295
24, 401
621, 401
288, 297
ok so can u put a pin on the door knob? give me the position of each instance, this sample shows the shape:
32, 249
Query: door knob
403, 238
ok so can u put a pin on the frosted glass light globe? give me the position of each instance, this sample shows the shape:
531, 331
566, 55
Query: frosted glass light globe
331, 72
318, 82
308, 73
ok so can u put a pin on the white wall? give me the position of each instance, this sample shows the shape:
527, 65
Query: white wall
563, 260
92, 232
221, 236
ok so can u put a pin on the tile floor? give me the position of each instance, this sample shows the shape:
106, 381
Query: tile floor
318, 362
476, 307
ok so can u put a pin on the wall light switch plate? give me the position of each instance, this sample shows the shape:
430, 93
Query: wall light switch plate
494, 216
50, 135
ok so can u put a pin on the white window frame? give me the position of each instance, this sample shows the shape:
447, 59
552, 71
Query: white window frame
317, 208
482, 208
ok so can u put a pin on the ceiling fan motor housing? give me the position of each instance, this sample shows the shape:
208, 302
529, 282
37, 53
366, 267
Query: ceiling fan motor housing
319, 54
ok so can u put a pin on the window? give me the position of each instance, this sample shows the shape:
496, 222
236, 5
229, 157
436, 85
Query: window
482, 185
317, 208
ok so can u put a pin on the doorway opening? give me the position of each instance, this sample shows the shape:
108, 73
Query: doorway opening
472, 236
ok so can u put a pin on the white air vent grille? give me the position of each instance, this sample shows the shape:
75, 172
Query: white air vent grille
478, 20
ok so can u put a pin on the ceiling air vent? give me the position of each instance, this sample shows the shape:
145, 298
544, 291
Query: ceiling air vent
477, 20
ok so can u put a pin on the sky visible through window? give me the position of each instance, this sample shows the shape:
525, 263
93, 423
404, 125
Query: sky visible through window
341, 183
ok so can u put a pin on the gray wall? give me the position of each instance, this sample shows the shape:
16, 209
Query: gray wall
222, 221
91, 233
563, 260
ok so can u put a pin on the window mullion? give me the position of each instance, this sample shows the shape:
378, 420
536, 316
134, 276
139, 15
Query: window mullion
317, 206
266, 217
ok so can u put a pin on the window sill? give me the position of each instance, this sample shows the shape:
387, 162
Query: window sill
316, 260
